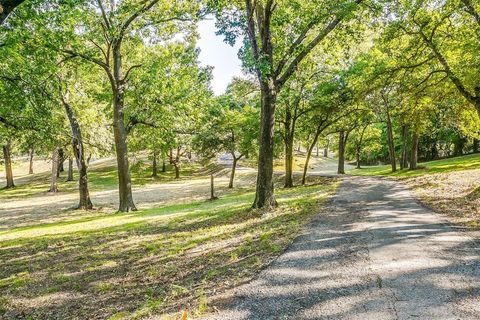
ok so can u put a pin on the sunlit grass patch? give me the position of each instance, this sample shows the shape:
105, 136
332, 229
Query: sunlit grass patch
438, 166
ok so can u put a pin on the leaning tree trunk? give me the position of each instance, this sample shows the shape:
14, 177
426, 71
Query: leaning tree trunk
85, 202
414, 153
120, 135
309, 153
8, 165
391, 145
342, 137
154, 165
404, 159
53, 183
264, 195
30, 166
232, 174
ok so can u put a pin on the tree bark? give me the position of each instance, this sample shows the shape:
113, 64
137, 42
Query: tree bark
264, 195
154, 165
8, 165
288, 138
70, 169
327, 146
120, 134
61, 160
414, 153
391, 143
164, 166
309, 153
85, 202
234, 167
358, 157
476, 145
212, 188
404, 159
358, 148
53, 183
30, 166
342, 137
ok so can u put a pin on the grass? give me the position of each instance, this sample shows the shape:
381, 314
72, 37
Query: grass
101, 177
156, 261
438, 166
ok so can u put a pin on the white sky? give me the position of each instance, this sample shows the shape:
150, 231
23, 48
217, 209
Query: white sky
218, 54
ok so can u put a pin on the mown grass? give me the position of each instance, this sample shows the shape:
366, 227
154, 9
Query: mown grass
156, 261
101, 177
438, 166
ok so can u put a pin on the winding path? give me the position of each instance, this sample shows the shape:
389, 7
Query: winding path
375, 253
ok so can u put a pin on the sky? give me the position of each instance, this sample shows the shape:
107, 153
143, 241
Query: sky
218, 54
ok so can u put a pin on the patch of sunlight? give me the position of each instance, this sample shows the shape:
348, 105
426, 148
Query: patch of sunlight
94, 224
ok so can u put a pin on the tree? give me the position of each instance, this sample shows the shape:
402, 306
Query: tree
107, 29
274, 61
78, 150
230, 125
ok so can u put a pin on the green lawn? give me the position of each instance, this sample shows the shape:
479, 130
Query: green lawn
101, 177
161, 260
437, 166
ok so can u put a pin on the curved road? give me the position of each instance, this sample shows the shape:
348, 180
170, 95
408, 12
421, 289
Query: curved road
375, 253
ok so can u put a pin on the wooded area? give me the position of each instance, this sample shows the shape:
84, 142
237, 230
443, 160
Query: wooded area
364, 82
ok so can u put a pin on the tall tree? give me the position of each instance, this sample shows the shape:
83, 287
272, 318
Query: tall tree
279, 35
109, 27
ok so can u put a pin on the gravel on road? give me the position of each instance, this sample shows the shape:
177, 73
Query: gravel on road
373, 253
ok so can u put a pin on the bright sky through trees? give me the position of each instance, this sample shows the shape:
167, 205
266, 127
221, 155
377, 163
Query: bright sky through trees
218, 54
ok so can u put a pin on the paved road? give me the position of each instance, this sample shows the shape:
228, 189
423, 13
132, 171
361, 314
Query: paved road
375, 253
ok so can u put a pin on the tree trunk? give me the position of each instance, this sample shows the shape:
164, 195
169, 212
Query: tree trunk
458, 147
232, 174
212, 189
341, 152
177, 170
61, 160
404, 159
8, 165
358, 157
476, 145
120, 134
309, 153
414, 153
391, 145
85, 202
30, 167
327, 146
70, 169
164, 166
53, 184
264, 195
154, 165
318, 150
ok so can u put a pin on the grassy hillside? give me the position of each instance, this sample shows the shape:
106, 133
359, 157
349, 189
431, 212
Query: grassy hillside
437, 166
